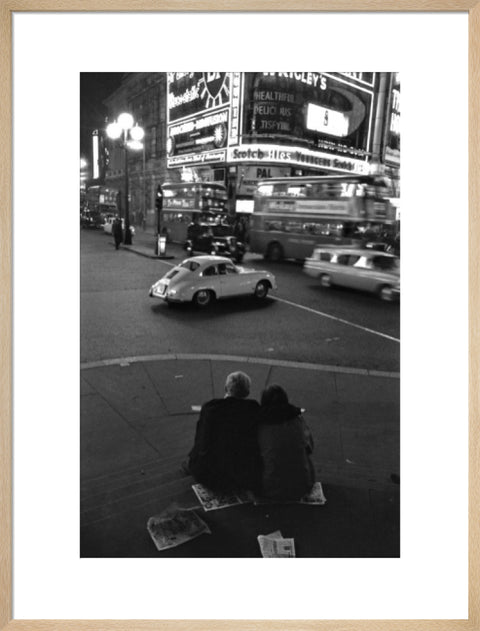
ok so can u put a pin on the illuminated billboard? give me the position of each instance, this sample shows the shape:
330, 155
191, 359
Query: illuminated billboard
316, 120
392, 135
198, 109
330, 112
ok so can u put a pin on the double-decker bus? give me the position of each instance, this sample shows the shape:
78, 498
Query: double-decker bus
185, 201
293, 215
99, 202
101, 199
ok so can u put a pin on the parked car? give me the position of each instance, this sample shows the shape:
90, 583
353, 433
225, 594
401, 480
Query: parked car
367, 270
90, 219
202, 279
108, 225
214, 239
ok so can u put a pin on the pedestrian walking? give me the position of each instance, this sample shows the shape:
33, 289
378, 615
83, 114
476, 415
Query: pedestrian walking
117, 232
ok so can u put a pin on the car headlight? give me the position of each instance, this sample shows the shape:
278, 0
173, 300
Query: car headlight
172, 292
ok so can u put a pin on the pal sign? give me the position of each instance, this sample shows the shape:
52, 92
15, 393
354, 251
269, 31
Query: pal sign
248, 177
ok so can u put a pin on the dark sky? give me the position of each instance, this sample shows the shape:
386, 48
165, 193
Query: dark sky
94, 88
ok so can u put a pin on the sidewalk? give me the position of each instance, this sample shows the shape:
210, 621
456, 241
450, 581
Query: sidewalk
137, 426
143, 243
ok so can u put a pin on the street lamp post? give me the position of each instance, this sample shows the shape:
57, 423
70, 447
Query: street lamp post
131, 135
144, 218
158, 206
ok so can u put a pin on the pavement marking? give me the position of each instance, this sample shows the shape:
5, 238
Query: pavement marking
327, 315
103, 363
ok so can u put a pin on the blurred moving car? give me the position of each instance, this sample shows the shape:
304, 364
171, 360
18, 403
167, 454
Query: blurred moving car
108, 220
202, 279
108, 225
367, 270
380, 246
214, 239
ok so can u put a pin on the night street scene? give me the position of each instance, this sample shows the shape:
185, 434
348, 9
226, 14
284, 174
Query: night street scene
240, 315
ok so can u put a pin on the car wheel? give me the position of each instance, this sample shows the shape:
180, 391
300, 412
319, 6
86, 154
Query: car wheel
275, 252
325, 280
203, 298
386, 293
261, 290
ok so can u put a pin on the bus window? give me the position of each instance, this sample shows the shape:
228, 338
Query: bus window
297, 191
264, 189
273, 225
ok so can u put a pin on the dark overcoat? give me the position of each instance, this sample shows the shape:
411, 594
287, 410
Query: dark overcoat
225, 452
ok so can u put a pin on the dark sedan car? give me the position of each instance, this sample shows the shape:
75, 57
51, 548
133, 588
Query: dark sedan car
91, 219
214, 239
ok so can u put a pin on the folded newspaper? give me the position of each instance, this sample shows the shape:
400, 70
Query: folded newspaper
275, 546
316, 497
175, 526
210, 500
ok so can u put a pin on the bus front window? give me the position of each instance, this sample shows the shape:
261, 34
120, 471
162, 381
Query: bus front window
265, 190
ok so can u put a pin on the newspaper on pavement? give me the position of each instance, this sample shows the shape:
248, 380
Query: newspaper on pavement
211, 500
316, 495
275, 545
175, 526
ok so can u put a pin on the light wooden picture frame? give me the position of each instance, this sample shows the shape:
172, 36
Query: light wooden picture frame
8, 9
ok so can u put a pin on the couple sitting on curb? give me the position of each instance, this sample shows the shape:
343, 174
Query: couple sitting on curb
241, 445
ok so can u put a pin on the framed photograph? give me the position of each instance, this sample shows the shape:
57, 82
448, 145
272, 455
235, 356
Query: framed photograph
158, 441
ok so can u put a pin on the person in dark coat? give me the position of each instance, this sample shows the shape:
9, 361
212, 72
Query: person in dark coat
225, 454
286, 446
117, 232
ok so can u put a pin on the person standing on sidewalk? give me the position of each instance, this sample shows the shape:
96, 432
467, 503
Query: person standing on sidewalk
286, 446
117, 232
225, 453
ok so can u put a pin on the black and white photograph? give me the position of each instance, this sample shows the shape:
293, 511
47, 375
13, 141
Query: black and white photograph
240, 314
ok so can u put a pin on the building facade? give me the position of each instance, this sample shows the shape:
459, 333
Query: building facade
240, 128
144, 96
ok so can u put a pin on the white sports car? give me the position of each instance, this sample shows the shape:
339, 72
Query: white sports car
202, 279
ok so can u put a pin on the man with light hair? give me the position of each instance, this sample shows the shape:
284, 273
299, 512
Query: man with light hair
225, 454
237, 385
